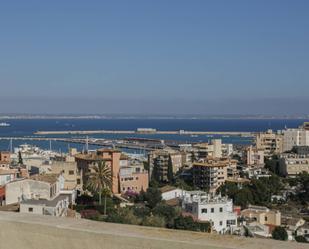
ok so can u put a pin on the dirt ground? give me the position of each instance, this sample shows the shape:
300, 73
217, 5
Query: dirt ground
20, 231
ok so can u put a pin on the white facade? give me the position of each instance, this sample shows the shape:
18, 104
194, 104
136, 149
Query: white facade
26, 189
174, 193
215, 209
217, 148
56, 207
227, 150
295, 137
7, 176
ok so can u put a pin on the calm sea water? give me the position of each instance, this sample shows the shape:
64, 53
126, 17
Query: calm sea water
24, 128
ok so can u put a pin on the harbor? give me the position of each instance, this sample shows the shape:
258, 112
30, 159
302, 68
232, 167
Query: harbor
147, 131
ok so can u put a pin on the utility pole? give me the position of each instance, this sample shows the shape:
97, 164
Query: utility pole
50, 145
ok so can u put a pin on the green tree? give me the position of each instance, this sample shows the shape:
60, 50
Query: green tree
243, 198
123, 216
185, 223
141, 211
301, 239
303, 179
20, 158
167, 212
170, 174
279, 233
153, 197
100, 179
204, 227
106, 192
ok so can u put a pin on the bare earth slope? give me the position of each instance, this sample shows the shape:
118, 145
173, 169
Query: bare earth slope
20, 231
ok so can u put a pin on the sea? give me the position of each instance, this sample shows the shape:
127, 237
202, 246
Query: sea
27, 127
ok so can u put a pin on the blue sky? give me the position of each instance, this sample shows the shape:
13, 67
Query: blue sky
161, 56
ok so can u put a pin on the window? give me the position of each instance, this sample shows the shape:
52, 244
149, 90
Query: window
265, 218
204, 210
221, 223
71, 172
221, 210
212, 210
30, 210
78, 181
230, 222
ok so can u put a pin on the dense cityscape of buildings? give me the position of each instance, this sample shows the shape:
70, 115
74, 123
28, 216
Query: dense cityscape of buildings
50, 183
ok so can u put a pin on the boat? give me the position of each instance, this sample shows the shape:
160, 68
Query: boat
4, 124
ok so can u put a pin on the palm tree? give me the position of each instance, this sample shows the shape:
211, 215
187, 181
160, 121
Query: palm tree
100, 179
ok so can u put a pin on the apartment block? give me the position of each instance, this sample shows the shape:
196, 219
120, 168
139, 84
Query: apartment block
133, 177
295, 137
254, 156
161, 160
291, 164
269, 142
210, 174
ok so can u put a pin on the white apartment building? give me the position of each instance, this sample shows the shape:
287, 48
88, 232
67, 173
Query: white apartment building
217, 210
295, 137
227, 150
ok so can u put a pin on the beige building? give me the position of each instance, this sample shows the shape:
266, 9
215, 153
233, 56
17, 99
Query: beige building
72, 176
133, 180
160, 161
215, 149
254, 156
110, 156
295, 137
5, 156
269, 142
262, 215
291, 164
132, 175
210, 174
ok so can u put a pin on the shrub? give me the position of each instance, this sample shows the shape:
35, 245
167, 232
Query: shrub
124, 216
279, 233
154, 221
301, 239
185, 223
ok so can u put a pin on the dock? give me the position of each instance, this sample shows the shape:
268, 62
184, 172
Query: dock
152, 132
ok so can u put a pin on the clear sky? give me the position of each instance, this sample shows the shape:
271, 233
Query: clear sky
160, 56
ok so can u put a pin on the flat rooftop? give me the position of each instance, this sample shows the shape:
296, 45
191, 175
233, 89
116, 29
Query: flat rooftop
28, 231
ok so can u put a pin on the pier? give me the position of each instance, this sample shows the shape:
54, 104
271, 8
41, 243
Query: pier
148, 132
